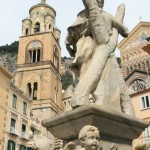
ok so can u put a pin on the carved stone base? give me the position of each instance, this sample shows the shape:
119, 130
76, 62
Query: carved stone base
116, 129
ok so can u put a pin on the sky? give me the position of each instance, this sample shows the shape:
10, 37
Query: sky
12, 12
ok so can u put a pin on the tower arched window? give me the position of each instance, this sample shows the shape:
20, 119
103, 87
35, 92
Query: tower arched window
32, 90
49, 26
56, 58
27, 31
34, 55
37, 27
35, 88
29, 89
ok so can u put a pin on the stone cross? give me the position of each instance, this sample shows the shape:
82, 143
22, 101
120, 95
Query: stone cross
140, 18
43, 1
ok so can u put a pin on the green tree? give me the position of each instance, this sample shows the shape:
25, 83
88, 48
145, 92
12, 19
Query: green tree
66, 80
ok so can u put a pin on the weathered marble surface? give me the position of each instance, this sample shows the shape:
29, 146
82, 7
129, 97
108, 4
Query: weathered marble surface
115, 127
93, 38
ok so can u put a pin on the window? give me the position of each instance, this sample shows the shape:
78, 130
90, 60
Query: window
34, 55
55, 58
37, 27
13, 123
147, 134
29, 148
22, 147
23, 128
145, 102
35, 87
24, 107
14, 101
11, 145
29, 89
49, 26
32, 90
27, 31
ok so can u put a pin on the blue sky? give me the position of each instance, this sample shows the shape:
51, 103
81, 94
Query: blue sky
12, 12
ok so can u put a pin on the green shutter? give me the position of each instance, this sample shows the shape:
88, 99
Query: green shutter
22, 147
11, 145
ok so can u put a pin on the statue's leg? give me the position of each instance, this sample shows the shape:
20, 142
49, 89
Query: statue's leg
90, 79
125, 100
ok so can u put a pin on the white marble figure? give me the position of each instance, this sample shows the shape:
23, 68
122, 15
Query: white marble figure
92, 40
89, 139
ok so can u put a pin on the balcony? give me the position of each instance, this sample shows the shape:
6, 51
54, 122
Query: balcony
24, 136
31, 137
13, 131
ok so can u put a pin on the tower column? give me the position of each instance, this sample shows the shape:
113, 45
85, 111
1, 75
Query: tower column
36, 55
31, 56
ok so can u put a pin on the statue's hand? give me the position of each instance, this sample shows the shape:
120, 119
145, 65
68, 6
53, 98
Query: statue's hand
70, 146
126, 32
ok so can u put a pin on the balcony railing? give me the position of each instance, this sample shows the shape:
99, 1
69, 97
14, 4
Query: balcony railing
24, 136
13, 131
31, 137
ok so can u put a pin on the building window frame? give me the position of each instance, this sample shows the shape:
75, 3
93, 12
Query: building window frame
14, 101
22, 147
145, 102
32, 90
24, 107
146, 134
11, 145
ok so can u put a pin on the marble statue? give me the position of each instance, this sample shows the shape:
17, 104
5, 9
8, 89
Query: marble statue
92, 40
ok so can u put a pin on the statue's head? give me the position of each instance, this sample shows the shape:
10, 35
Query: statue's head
89, 137
100, 3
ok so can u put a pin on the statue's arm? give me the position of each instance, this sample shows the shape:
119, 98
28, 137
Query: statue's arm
71, 48
120, 27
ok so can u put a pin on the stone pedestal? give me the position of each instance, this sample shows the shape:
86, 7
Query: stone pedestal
116, 129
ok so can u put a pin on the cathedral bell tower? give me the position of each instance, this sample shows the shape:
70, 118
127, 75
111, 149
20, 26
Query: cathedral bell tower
39, 59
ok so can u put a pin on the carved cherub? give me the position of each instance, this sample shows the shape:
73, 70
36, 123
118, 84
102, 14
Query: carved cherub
89, 138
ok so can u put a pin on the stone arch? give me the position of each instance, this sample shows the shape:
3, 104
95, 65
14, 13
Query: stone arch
37, 27
32, 82
56, 57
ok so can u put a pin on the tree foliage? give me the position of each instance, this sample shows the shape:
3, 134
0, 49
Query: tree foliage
67, 80
12, 48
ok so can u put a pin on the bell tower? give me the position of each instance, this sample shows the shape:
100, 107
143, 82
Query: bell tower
39, 59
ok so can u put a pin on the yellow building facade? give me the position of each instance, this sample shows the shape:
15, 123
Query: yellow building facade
5, 77
135, 63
